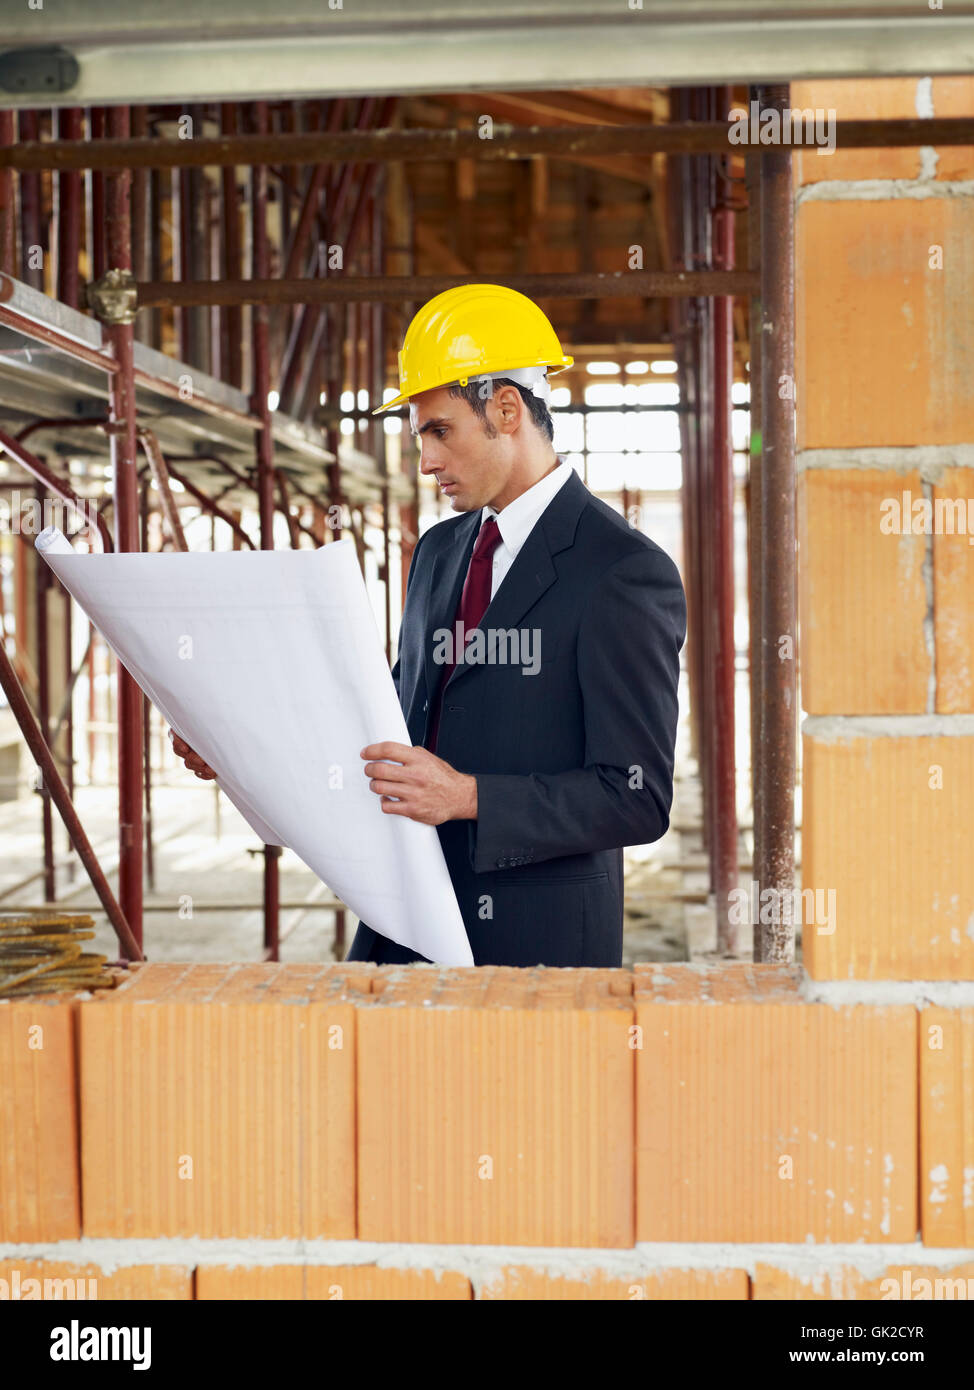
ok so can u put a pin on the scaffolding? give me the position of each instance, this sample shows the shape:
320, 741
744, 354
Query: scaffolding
158, 221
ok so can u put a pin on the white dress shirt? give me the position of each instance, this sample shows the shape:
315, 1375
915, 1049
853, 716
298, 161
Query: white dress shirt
519, 518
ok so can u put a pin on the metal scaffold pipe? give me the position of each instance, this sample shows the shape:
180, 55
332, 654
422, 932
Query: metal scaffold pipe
506, 142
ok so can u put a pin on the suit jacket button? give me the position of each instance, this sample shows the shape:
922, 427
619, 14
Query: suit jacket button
426, 706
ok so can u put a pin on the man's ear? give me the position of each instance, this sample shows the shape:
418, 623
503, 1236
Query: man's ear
508, 407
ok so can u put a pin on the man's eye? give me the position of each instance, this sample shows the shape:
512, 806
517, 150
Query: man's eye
439, 433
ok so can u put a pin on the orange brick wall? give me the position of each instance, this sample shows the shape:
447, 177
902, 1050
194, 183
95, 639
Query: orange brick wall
331, 1283
496, 1105
908, 1282
801, 1146
884, 834
946, 1038
250, 1133
522, 1284
39, 1189
25, 1279
670, 1108
884, 355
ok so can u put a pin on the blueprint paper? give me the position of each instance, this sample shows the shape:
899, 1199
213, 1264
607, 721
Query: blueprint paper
269, 664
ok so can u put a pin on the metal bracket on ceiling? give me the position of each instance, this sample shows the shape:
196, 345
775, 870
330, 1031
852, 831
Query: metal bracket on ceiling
38, 71
114, 298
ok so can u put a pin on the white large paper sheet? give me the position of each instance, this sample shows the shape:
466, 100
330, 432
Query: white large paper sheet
269, 664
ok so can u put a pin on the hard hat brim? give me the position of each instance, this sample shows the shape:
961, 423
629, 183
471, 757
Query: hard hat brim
402, 399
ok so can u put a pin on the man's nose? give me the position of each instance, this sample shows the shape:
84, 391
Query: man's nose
427, 460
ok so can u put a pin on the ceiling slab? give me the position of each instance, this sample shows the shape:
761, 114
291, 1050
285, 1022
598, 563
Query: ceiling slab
232, 50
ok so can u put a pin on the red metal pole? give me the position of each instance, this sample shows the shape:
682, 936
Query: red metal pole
70, 127
141, 237
14, 449
443, 145
231, 320
376, 383
160, 476
99, 252
211, 507
199, 247
150, 868
154, 317
265, 471
705, 368
92, 703
184, 234
124, 451
8, 204
261, 335
775, 866
296, 262
725, 787
299, 344
293, 522
52, 779
684, 314
316, 357
696, 594
333, 434
70, 677
42, 585
753, 496
31, 248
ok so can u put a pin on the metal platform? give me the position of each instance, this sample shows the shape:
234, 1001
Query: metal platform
54, 364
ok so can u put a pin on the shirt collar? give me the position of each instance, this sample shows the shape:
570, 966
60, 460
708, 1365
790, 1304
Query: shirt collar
518, 519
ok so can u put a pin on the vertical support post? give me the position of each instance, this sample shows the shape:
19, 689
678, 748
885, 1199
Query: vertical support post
775, 868
334, 357
725, 783
702, 408
90, 740
8, 205
155, 317
353, 322
31, 265
755, 530
140, 209
682, 312
70, 127
150, 869
118, 245
401, 261
265, 469
272, 902
376, 383
231, 318
69, 712
333, 435
42, 584
194, 253
261, 344
99, 254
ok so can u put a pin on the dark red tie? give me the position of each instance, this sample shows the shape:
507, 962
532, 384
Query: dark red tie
473, 606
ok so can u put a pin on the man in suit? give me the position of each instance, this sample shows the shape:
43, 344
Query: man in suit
538, 654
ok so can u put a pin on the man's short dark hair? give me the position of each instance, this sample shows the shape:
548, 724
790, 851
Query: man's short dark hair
477, 394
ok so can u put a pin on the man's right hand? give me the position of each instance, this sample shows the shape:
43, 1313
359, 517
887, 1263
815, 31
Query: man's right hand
192, 760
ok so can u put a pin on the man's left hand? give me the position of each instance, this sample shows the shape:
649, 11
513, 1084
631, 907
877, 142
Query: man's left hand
416, 783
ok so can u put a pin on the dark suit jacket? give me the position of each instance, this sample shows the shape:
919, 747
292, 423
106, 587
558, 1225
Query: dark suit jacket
572, 762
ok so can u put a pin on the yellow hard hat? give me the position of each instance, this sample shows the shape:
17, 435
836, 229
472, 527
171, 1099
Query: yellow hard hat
471, 331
